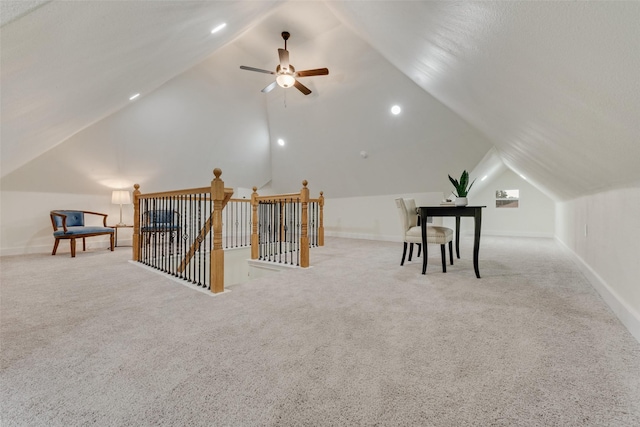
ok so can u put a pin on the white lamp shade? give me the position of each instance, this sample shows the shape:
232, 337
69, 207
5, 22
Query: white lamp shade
120, 197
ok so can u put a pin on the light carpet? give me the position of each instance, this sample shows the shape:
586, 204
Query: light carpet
355, 340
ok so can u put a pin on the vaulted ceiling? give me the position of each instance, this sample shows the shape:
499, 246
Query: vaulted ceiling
549, 88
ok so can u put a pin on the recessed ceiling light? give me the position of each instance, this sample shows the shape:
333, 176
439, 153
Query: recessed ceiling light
484, 177
395, 110
218, 28
134, 97
523, 177
280, 141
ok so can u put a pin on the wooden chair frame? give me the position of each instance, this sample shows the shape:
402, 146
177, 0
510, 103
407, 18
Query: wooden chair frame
72, 237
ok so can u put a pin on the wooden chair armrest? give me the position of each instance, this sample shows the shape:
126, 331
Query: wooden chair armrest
104, 216
53, 221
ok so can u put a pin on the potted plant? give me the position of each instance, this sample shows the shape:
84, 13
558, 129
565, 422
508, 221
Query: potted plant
462, 188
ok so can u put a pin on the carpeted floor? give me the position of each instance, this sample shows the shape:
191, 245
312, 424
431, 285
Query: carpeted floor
355, 340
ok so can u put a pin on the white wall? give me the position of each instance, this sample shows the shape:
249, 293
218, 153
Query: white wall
26, 224
375, 217
370, 217
535, 216
603, 233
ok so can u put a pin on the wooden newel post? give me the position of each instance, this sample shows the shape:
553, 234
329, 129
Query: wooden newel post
216, 273
304, 232
136, 222
255, 250
321, 223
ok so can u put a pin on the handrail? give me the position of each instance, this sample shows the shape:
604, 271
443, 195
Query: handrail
176, 192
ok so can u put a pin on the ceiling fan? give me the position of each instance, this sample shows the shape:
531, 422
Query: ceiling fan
286, 74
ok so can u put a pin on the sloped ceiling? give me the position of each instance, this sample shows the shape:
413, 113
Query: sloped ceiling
553, 85
66, 65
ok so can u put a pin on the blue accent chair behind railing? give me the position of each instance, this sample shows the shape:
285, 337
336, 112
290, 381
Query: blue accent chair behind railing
160, 221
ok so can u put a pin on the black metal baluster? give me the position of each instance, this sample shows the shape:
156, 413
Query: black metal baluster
188, 234
210, 236
171, 261
203, 242
286, 230
175, 243
298, 231
270, 222
226, 227
278, 231
181, 232
266, 229
165, 237
264, 226
274, 232
270, 247
292, 231
242, 223
154, 235
201, 264
314, 210
141, 238
259, 230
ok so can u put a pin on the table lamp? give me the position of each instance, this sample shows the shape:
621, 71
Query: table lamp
120, 197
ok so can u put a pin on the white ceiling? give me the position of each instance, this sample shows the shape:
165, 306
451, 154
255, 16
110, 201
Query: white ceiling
552, 85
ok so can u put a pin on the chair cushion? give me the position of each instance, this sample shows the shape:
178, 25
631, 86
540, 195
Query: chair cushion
161, 217
160, 227
71, 231
74, 218
435, 234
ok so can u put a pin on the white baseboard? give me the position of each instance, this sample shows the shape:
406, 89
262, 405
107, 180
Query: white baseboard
26, 251
465, 233
515, 233
362, 236
63, 247
629, 317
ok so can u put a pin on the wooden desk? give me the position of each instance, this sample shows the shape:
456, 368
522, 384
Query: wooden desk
457, 212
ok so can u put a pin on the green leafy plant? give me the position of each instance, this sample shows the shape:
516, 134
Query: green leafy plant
462, 187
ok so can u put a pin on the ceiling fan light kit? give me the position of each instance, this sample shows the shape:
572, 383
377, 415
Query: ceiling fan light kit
286, 75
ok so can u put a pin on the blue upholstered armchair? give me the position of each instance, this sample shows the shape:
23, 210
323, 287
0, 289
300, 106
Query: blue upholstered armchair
70, 225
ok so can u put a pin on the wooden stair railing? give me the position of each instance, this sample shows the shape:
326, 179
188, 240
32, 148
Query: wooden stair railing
220, 196
303, 199
320, 202
209, 202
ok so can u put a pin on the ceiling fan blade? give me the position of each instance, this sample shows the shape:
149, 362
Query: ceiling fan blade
314, 72
269, 87
284, 58
302, 88
259, 70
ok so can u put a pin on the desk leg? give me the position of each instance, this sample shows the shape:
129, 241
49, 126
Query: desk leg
116, 236
476, 241
458, 237
423, 227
